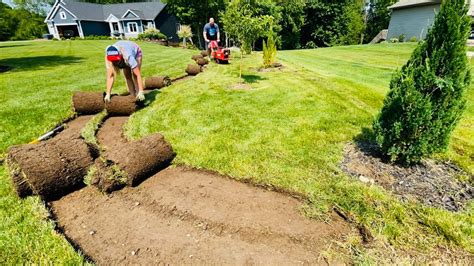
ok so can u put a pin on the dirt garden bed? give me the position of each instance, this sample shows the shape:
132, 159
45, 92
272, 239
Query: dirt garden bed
436, 184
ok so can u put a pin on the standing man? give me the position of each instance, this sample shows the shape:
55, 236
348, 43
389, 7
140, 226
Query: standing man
211, 33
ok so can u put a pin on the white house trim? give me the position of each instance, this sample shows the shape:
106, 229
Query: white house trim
55, 10
130, 11
112, 18
136, 27
66, 24
79, 27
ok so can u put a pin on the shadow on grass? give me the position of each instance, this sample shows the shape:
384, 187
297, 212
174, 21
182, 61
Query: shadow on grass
367, 143
13, 45
252, 78
35, 62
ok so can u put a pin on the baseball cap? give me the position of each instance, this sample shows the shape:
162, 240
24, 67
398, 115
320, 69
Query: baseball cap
113, 54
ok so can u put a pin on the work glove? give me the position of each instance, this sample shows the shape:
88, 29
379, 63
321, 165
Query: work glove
140, 96
107, 98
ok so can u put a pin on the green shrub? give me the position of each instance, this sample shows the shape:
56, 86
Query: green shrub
413, 39
269, 51
401, 38
427, 96
152, 34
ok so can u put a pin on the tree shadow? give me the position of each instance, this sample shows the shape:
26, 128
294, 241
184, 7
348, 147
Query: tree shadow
249, 78
38, 62
367, 143
13, 45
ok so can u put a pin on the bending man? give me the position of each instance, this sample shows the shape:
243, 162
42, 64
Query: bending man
126, 56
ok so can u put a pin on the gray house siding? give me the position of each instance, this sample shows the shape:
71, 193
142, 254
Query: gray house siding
58, 20
167, 24
413, 21
95, 28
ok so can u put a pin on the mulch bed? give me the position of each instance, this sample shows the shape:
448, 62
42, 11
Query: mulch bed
436, 184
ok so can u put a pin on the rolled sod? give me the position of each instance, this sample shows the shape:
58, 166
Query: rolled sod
202, 61
88, 102
121, 105
193, 69
49, 169
195, 57
132, 162
204, 53
157, 82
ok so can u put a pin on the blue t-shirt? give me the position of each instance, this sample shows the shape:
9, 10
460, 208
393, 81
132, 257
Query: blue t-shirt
130, 52
211, 31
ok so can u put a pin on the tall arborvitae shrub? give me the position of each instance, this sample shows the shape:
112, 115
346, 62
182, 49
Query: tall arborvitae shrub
269, 51
427, 96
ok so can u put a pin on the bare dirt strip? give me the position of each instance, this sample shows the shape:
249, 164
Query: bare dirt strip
184, 216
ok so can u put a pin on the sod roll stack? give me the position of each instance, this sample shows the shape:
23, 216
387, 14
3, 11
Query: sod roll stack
121, 105
196, 57
49, 169
193, 69
202, 61
88, 102
157, 82
204, 53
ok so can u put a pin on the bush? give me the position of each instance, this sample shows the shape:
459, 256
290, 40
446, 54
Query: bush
401, 38
152, 34
427, 96
269, 51
94, 37
413, 39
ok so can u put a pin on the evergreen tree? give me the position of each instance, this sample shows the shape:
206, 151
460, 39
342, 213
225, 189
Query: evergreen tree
427, 96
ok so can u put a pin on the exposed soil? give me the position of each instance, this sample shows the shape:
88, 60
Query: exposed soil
88, 102
181, 78
241, 86
182, 216
432, 183
274, 67
52, 168
4, 69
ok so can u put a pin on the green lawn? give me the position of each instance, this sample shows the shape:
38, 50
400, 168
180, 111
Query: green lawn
35, 96
288, 131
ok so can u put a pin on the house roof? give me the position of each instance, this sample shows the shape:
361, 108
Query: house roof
412, 3
99, 12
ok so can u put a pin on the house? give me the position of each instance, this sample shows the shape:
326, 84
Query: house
413, 18
69, 18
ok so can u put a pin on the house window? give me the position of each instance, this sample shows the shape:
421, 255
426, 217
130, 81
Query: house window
132, 27
178, 27
150, 24
115, 26
62, 14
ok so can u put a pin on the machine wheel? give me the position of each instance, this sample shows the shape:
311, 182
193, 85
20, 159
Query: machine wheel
218, 60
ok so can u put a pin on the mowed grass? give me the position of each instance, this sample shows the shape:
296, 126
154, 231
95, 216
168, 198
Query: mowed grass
36, 95
289, 131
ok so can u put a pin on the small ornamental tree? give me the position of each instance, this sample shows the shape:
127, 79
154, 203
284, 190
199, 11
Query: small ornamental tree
426, 97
